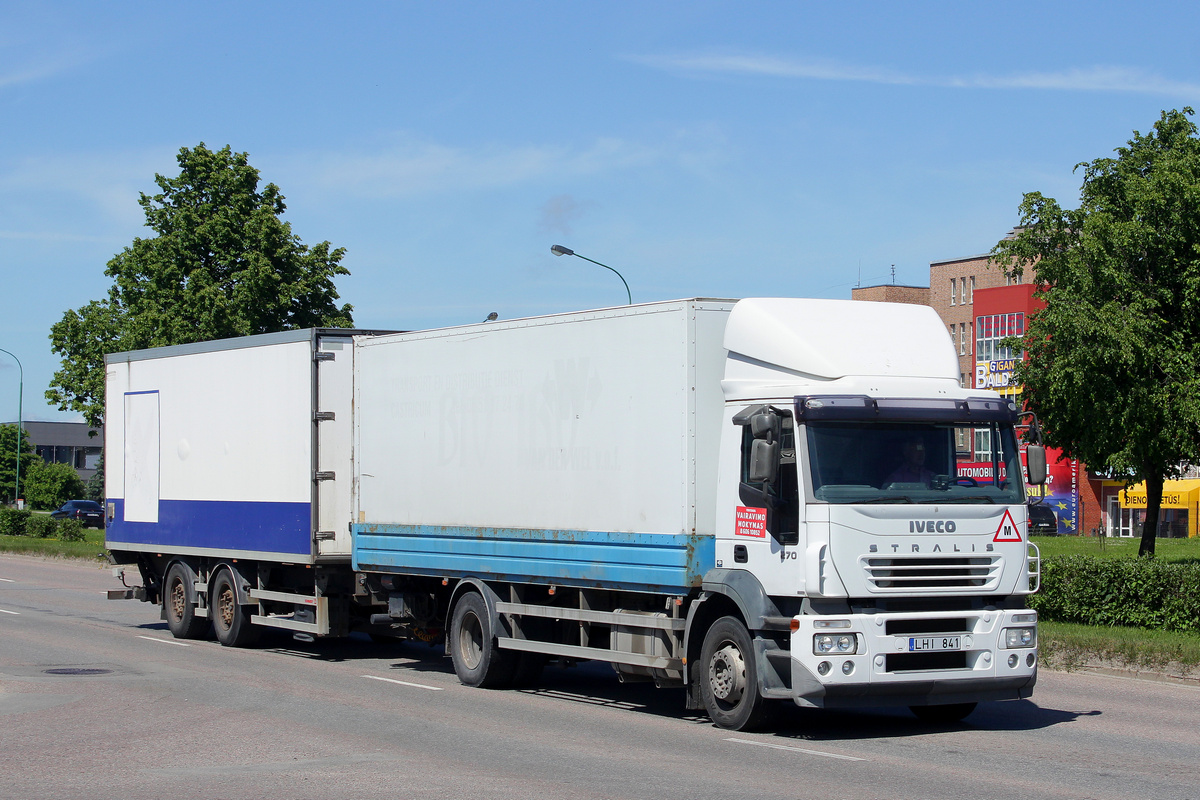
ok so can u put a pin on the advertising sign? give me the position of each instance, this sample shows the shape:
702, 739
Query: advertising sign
995, 374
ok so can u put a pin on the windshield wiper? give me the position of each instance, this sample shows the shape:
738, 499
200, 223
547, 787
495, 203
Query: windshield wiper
894, 499
969, 498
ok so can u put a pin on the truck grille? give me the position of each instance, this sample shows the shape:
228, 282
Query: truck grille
908, 573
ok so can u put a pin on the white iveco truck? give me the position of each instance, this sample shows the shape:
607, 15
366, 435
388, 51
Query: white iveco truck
765, 500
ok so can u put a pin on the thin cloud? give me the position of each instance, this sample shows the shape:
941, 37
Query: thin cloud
1093, 79
413, 168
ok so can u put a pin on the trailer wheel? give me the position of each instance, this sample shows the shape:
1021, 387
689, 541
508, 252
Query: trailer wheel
478, 660
729, 677
180, 604
953, 712
230, 620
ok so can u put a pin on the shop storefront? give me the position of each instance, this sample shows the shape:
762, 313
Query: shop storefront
1125, 510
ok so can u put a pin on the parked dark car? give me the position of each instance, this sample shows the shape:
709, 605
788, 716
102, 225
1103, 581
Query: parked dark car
88, 512
1042, 521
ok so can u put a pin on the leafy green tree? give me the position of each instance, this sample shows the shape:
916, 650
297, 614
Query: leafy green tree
222, 264
8, 459
50, 485
94, 489
1112, 363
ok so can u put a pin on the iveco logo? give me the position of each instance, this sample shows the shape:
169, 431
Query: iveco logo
932, 526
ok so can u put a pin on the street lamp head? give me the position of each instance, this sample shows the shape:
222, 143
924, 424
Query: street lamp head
559, 250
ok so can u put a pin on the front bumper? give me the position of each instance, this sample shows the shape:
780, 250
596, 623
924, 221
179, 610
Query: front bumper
884, 671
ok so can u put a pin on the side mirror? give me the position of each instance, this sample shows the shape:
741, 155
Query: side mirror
765, 425
1035, 464
764, 461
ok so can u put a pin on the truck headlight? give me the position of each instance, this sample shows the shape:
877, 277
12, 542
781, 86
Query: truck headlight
1020, 637
844, 643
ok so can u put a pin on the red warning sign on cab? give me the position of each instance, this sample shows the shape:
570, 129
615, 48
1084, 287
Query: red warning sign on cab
1008, 530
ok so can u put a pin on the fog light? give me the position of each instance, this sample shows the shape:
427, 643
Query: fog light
847, 667
1029, 659
823, 668
1013, 660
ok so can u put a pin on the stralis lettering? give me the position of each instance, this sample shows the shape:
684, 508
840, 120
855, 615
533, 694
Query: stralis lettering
951, 547
932, 526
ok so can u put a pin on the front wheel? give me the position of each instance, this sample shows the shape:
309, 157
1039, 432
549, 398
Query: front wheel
230, 620
953, 712
478, 660
729, 677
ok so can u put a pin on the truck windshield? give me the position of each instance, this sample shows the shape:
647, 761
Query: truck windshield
914, 462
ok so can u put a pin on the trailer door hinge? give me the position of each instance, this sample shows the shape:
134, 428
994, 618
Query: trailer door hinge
324, 476
324, 416
324, 535
323, 356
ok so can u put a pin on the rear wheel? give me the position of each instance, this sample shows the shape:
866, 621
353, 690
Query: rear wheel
230, 620
952, 712
478, 660
179, 601
729, 677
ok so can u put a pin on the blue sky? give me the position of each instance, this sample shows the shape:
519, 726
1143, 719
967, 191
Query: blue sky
701, 148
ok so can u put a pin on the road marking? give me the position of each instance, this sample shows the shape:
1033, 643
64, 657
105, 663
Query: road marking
163, 641
796, 749
7, 580
405, 683
14, 613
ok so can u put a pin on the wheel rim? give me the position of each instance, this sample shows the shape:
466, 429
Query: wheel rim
470, 640
727, 673
225, 606
178, 600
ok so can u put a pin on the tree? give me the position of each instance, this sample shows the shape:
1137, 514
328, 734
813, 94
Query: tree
1112, 363
51, 485
8, 459
222, 264
94, 488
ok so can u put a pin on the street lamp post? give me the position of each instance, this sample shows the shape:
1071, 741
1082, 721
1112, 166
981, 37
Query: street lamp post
559, 250
20, 425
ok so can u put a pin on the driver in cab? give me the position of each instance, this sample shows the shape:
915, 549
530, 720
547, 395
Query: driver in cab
912, 470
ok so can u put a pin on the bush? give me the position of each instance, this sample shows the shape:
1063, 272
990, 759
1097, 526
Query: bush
70, 530
41, 526
48, 486
1134, 592
13, 521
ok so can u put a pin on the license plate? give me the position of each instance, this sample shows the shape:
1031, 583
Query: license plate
923, 643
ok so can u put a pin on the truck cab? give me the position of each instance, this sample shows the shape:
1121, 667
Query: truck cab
877, 508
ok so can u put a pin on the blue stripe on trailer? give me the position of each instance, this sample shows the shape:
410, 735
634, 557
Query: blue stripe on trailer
660, 562
218, 524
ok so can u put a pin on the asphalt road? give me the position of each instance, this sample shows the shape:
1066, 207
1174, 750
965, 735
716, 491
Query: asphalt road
97, 700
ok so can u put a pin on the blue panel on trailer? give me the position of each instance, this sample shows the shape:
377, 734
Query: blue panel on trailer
218, 524
658, 562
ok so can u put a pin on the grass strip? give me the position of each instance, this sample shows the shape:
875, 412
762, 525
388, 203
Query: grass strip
90, 549
1067, 646
1169, 551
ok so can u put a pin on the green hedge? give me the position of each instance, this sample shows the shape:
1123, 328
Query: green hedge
1136, 592
70, 530
41, 526
13, 522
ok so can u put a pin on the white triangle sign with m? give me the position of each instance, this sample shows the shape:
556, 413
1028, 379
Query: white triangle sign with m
1008, 530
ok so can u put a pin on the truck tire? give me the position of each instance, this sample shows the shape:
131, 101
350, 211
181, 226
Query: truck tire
179, 602
728, 677
230, 620
478, 660
953, 712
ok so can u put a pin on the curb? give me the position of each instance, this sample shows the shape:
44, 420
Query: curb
1135, 674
